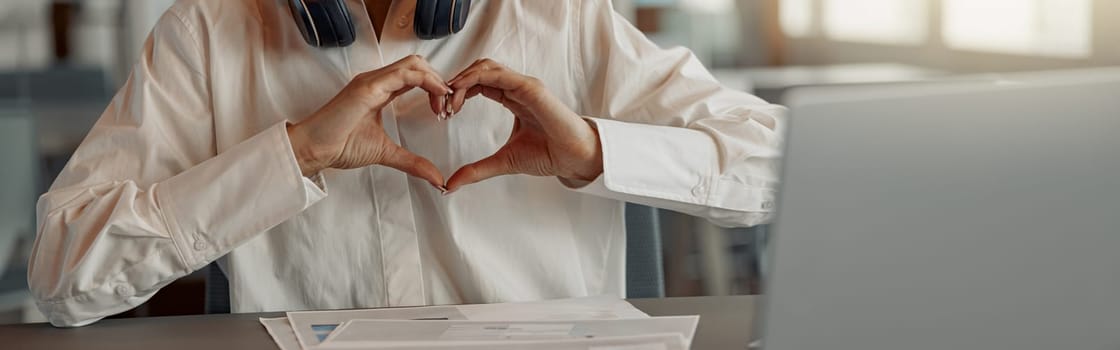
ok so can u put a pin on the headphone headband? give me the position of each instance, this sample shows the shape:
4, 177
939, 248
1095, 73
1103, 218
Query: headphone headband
327, 23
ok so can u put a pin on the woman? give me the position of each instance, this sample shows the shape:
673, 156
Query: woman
235, 141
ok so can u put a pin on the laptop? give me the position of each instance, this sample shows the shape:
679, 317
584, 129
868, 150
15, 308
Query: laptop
953, 215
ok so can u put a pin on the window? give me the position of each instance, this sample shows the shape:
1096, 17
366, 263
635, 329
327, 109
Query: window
877, 21
1055, 28
797, 17
1033, 27
708, 6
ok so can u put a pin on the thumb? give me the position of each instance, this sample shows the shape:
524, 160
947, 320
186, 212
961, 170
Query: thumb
412, 164
497, 164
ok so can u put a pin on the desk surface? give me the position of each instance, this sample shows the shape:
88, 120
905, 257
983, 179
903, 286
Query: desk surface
725, 323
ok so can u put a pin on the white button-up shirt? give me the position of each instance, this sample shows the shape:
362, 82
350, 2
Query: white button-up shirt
191, 163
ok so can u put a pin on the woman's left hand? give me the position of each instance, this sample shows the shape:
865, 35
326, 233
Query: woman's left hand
548, 139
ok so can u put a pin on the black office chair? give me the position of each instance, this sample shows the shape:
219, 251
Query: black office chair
217, 290
645, 272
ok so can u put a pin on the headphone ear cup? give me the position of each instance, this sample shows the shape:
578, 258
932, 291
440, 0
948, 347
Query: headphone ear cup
439, 18
337, 28
323, 23
303, 22
424, 22
461, 9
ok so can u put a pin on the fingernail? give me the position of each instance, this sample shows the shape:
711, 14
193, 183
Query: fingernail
449, 107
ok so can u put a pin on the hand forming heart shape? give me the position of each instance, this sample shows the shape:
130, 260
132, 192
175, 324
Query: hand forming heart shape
548, 139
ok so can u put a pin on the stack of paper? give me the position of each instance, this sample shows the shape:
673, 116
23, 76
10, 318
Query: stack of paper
593, 323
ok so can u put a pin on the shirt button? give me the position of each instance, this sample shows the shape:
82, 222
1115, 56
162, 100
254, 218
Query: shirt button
767, 205
698, 190
124, 290
199, 244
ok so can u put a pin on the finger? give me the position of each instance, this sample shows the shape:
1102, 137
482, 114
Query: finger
428, 81
410, 61
431, 81
412, 164
474, 91
462, 95
437, 94
505, 80
458, 99
398, 82
406, 80
437, 102
479, 63
494, 93
499, 96
497, 164
447, 108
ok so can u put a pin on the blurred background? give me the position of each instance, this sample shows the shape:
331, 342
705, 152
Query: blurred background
62, 60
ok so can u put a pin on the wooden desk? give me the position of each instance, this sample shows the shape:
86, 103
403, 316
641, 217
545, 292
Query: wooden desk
725, 323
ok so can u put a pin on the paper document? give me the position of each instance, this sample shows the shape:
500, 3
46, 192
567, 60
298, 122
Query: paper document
587, 308
311, 327
281, 332
306, 330
643, 342
375, 333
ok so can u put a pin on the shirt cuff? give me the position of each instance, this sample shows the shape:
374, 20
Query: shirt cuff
659, 165
215, 206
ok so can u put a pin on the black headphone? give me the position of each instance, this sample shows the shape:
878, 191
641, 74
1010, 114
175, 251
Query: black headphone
327, 23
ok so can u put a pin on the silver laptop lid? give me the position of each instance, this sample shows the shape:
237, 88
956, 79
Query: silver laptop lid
950, 216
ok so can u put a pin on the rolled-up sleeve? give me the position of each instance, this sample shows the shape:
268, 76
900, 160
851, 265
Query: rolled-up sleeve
147, 199
672, 136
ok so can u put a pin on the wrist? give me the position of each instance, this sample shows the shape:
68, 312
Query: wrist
311, 160
592, 159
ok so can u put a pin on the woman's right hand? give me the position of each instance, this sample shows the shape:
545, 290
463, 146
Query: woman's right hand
347, 132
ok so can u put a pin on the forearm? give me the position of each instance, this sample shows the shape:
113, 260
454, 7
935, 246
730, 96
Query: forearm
105, 247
